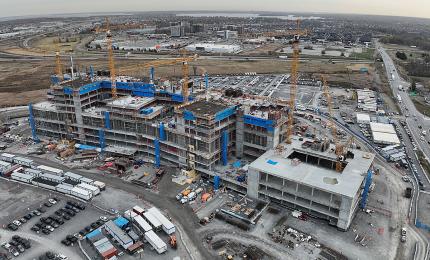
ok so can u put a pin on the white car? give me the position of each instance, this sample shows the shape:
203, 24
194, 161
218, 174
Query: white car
52, 201
405, 179
17, 223
50, 228
62, 257
103, 218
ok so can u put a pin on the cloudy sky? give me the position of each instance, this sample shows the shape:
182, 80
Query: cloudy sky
417, 8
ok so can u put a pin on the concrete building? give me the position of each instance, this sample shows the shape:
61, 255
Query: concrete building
154, 124
227, 34
302, 176
200, 135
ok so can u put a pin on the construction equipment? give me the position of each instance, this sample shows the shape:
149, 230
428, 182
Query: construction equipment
172, 241
58, 70
294, 77
338, 147
111, 59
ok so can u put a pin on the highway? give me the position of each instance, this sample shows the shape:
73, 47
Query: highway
416, 121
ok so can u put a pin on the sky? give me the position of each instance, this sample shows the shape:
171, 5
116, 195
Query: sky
413, 8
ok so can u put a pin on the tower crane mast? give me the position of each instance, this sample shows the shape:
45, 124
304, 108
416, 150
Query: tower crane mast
294, 78
338, 146
111, 59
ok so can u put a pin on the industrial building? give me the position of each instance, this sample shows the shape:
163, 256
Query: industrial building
215, 48
384, 134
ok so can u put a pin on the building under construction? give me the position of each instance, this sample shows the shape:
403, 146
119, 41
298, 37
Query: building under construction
160, 125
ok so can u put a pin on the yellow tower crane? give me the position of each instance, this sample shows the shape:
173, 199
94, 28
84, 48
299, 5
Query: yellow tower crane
111, 59
294, 77
58, 70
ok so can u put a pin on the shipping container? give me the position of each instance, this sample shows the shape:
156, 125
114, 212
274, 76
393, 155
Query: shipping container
50, 170
129, 214
35, 173
4, 166
152, 220
73, 176
167, 225
7, 157
100, 185
155, 242
7, 173
142, 224
66, 189
86, 180
23, 161
138, 210
81, 193
51, 177
21, 177
118, 234
47, 184
93, 189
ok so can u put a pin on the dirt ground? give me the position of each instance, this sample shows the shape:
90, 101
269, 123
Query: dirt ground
33, 76
263, 50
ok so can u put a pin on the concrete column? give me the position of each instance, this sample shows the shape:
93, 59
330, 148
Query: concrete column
253, 183
239, 134
345, 213
78, 113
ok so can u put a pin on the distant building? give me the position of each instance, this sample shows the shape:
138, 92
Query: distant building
179, 29
226, 34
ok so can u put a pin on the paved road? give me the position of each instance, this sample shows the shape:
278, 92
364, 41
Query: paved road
414, 118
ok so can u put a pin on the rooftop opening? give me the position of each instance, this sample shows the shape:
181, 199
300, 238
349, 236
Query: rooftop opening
314, 160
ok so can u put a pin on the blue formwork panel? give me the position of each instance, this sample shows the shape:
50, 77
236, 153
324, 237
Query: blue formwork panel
188, 115
102, 141
366, 189
161, 131
68, 91
265, 123
157, 153
55, 80
107, 120
217, 180
177, 98
143, 93
89, 88
32, 123
225, 113
224, 147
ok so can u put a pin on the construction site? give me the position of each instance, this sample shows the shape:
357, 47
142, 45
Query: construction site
267, 154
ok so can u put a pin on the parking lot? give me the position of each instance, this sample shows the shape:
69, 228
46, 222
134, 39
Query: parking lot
21, 200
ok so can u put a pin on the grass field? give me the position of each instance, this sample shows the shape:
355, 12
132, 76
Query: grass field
49, 44
367, 54
421, 106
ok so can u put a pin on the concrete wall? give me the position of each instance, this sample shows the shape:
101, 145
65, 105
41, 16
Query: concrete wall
253, 182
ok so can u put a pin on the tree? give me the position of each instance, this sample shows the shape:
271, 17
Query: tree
413, 86
323, 52
342, 54
401, 55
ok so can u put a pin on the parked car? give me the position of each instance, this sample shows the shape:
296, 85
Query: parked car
12, 227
